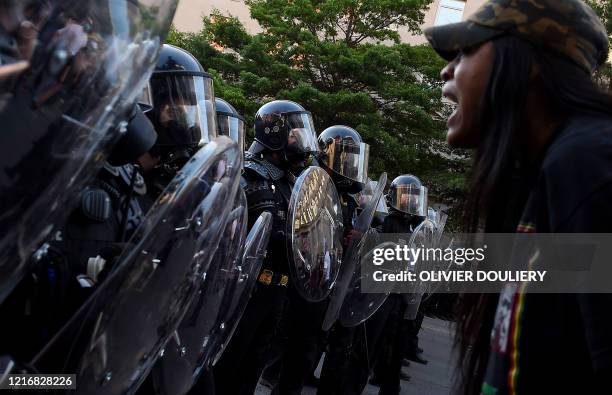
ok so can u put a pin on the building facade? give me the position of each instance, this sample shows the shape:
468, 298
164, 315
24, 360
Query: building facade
189, 14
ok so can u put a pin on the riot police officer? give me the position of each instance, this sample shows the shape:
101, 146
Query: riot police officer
387, 330
62, 89
230, 122
109, 211
81, 252
183, 113
285, 140
345, 156
407, 202
181, 101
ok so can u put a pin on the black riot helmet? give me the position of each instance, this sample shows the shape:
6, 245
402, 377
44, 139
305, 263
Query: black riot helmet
183, 106
407, 195
229, 122
283, 125
343, 151
138, 137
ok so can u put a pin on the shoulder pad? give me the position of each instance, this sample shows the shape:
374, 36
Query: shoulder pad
254, 167
262, 167
96, 204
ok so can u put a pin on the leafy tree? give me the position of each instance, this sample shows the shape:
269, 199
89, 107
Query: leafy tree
343, 61
603, 8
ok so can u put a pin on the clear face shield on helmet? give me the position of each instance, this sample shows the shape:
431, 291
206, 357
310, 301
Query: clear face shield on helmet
183, 115
233, 127
347, 158
301, 138
409, 199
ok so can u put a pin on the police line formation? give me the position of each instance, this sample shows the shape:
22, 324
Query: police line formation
144, 250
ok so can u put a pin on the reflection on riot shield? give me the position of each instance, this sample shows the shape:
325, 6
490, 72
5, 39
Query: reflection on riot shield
191, 346
424, 236
441, 217
64, 87
315, 231
351, 261
252, 259
366, 195
123, 327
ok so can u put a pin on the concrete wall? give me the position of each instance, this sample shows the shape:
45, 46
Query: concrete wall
430, 18
471, 6
189, 15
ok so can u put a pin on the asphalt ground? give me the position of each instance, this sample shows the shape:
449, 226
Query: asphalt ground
435, 378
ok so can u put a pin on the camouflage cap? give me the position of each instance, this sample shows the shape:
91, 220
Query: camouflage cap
568, 27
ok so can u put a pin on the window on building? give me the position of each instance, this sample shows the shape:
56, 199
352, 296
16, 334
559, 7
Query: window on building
449, 11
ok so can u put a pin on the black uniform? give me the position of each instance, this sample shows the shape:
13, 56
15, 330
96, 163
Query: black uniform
346, 346
301, 342
267, 188
388, 332
305, 340
66, 275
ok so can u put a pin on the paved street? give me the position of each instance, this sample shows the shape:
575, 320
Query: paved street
435, 378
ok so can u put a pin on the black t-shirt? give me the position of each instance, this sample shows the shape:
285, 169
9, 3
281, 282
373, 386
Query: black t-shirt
560, 343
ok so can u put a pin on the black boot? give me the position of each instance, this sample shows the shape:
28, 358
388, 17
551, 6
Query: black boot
418, 358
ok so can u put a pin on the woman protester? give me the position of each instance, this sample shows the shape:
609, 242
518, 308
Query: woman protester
520, 73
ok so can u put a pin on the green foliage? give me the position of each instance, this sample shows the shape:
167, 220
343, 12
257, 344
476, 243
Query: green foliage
343, 61
603, 8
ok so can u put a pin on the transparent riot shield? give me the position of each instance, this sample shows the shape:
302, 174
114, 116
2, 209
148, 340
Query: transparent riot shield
360, 304
192, 344
424, 236
252, 259
65, 88
314, 230
441, 217
351, 260
440, 225
114, 339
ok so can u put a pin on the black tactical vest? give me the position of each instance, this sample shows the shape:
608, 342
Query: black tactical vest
268, 188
